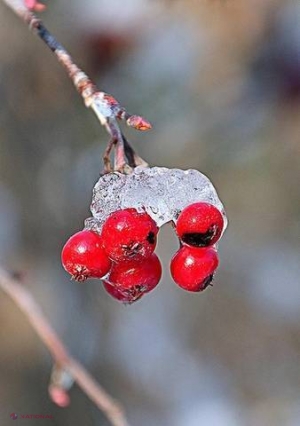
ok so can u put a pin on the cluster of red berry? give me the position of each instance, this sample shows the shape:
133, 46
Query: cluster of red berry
123, 254
199, 227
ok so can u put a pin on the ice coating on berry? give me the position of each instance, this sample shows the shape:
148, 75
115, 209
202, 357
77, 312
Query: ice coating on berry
161, 192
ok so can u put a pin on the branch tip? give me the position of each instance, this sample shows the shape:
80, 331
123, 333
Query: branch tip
138, 123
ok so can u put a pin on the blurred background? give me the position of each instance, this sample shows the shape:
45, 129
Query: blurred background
220, 81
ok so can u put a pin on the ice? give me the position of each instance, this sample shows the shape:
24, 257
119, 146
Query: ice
159, 191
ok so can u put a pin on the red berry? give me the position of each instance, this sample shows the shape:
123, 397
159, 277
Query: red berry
83, 256
200, 225
128, 234
125, 297
136, 276
193, 268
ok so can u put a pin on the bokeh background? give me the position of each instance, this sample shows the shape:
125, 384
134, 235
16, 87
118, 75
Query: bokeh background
220, 81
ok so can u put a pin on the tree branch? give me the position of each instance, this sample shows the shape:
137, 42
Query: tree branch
106, 107
25, 301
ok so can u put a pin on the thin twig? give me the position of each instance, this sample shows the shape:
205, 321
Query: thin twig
25, 301
106, 107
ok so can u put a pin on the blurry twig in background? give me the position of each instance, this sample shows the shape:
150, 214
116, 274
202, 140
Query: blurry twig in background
107, 108
64, 362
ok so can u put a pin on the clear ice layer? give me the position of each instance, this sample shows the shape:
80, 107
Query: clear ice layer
159, 191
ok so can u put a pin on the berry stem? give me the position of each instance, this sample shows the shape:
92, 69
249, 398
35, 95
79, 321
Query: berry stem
106, 107
27, 304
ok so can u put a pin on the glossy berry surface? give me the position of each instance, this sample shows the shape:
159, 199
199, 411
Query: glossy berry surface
193, 268
136, 276
84, 257
200, 225
128, 234
126, 296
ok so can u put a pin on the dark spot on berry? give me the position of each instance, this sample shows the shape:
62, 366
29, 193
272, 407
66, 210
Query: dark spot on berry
132, 249
81, 274
208, 281
198, 239
151, 237
135, 293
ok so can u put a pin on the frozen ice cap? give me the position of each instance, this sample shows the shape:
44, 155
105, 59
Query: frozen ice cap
159, 191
